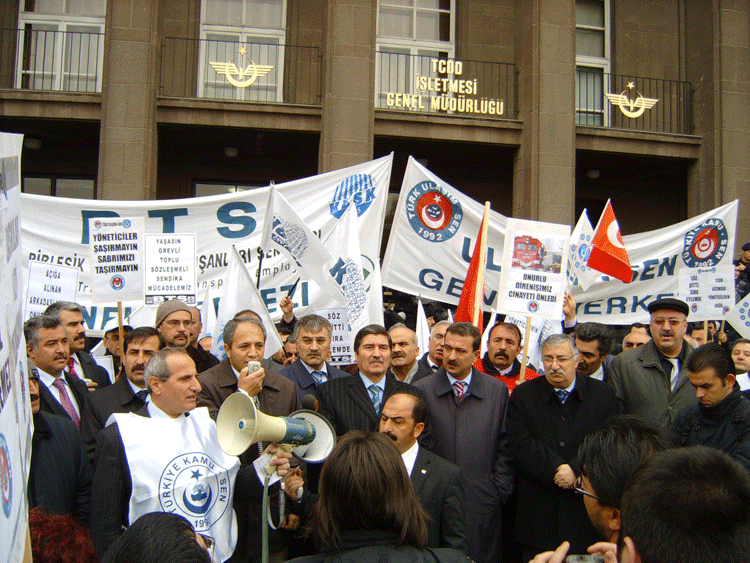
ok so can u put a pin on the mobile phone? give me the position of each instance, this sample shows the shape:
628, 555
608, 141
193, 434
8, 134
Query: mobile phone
596, 558
252, 366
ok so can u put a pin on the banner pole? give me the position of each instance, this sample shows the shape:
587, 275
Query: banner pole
525, 356
260, 266
121, 336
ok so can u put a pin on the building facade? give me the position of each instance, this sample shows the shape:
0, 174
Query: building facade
542, 107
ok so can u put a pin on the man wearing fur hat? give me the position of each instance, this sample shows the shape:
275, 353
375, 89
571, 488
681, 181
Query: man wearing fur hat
174, 320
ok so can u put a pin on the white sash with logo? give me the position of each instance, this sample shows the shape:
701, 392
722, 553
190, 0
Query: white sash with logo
177, 466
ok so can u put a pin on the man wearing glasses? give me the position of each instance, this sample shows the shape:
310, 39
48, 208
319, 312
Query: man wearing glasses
174, 321
652, 381
548, 419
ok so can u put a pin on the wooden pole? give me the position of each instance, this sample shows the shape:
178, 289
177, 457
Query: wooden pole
525, 356
121, 335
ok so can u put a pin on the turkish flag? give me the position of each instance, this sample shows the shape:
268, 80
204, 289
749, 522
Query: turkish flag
608, 254
472, 295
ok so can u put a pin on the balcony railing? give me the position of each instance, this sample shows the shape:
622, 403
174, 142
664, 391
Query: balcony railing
429, 84
221, 69
629, 102
49, 59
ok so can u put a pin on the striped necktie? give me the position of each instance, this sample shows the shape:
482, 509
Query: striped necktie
375, 397
65, 401
460, 389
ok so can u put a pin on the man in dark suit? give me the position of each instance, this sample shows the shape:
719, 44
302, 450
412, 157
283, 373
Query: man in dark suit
467, 412
404, 354
47, 347
436, 481
127, 394
354, 402
594, 343
173, 387
244, 341
80, 362
312, 333
433, 358
59, 473
548, 419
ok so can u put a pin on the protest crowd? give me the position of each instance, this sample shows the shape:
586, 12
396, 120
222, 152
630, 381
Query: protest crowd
605, 448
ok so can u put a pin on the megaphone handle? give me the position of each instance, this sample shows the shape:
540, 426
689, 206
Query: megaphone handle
271, 468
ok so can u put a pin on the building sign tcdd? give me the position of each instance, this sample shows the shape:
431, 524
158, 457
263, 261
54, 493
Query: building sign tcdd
455, 95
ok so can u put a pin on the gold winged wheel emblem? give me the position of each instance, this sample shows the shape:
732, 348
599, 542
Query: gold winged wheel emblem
236, 77
631, 107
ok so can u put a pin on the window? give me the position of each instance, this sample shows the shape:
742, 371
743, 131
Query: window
242, 50
206, 189
592, 61
61, 45
409, 34
79, 188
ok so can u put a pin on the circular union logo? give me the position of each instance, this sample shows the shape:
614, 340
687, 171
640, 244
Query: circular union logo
126, 223
533, 306
433, 213
694, 308
194, 485
97, 224
705, 245
117, 282
6, 476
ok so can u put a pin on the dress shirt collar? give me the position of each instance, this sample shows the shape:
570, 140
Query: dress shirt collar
156, 412
466, 379
367, 382
410, 456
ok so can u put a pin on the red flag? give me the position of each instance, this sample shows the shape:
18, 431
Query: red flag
472, 295
608, 254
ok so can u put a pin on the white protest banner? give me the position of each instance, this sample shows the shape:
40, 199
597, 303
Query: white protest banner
709, 292
48, 284
55, 231
580, 248
532, 281
117, 259
432, 237
656, 257
170, 269
433, 232
423, 330
486, 333
739, 317
342, 353
15, 408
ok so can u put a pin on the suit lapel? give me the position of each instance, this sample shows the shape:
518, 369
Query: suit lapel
53, 405
304, 379
420, 471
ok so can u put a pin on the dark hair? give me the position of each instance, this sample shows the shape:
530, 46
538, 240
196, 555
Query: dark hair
692, 327
140, 334
467, 329
647, 328
364, 486
368, 330
31, 327
688, 505
714, 356
588, 332
419, 410
283, 330
740, 341
231, 326
57, 538
312, 324
509, 326
619, 446
157, 537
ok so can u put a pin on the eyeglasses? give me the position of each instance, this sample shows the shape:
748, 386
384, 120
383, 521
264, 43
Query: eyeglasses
559, 359
578, 486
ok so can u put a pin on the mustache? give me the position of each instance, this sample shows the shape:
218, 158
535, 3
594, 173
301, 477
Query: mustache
398, 355
501, 354
60, 357
391, 436
557, 372
34, 397
666, 333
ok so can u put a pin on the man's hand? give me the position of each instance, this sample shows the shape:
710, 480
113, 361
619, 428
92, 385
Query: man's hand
288, 361
291, 521
292, 483
287, 307
609, 550
565, 478
557, 556
91, 385
280, 459
721, 337
251, 383
569, 306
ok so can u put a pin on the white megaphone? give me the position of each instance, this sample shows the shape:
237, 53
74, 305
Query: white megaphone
241, 424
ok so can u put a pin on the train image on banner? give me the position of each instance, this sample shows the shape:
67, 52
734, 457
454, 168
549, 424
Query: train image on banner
528, 253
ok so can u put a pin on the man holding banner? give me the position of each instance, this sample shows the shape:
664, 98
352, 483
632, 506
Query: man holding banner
651, 381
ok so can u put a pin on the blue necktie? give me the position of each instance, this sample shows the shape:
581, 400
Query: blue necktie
375, 397
143, 395
563, 394
318, 376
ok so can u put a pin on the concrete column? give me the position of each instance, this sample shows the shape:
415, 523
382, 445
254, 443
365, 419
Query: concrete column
348, 84
718, 66
544, 168
128, 142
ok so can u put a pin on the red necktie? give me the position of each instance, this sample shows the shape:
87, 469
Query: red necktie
460, 387
65, 401
71, 366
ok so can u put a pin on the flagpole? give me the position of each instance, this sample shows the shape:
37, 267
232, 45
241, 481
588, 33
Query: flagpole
121, 336
525, 356
260, 266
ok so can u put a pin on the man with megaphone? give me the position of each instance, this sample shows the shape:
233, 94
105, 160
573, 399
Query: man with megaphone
273, 394
166, 458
